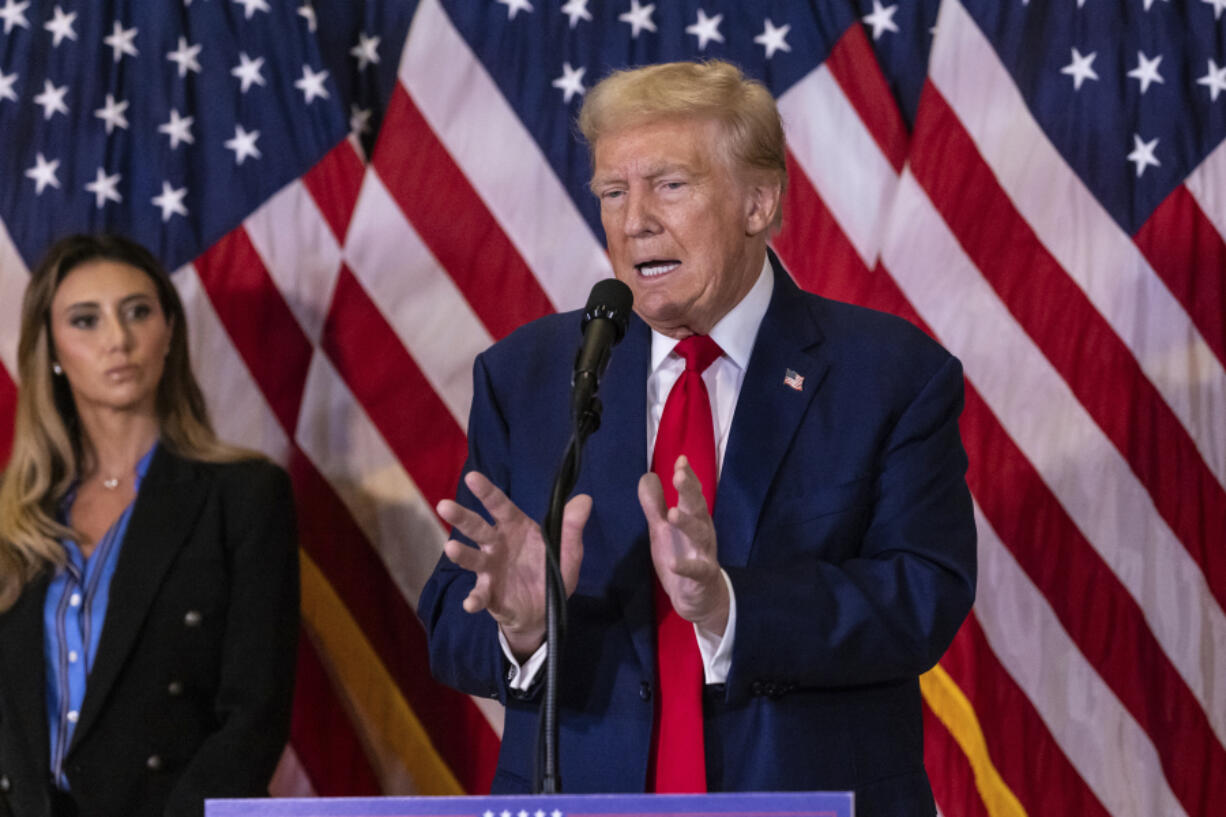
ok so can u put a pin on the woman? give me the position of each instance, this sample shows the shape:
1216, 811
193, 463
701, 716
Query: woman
148, 572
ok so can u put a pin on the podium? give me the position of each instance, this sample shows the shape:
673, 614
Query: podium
783, 804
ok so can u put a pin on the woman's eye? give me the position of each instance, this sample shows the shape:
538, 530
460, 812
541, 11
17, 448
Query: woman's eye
83, 321
139, 311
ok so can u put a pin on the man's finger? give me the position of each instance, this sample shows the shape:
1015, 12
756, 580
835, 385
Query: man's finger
574, 518
689, 488
469, 558
500, 506
479, 597
697, 528
468, 522
651, 498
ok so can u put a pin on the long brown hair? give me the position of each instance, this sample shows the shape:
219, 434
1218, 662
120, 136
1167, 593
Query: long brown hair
49, 447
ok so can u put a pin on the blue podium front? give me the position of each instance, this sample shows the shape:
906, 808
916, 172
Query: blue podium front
772, 804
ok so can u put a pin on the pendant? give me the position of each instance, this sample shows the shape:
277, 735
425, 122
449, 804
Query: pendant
111, 484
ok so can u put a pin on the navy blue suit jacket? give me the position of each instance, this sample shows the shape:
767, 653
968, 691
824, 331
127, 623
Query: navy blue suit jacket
843, 520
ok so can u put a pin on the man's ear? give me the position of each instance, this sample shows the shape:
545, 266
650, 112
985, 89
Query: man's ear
762, 202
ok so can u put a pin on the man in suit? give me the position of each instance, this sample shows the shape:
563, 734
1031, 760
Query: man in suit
818, 548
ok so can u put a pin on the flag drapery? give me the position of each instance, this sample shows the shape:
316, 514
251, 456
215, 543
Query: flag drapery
357, 197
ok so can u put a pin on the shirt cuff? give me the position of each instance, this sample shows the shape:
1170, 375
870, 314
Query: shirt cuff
521, 676
716, 650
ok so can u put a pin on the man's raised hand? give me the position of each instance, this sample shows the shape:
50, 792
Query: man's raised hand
509, 560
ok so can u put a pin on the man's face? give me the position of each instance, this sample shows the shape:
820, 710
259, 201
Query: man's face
686, 229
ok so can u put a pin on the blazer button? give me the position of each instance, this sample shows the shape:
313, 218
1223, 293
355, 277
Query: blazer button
5, 785
192, 618
756, 688
174, 689
153, 763
645, 691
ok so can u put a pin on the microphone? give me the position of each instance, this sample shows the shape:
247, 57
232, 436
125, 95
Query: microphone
604, 323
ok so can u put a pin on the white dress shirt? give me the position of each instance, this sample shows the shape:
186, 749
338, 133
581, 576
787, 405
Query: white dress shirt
735, 333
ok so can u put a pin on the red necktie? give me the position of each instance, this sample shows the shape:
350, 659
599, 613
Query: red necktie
677, 754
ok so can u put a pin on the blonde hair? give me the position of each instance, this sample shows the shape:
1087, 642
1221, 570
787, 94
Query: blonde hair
49, 447
746, 111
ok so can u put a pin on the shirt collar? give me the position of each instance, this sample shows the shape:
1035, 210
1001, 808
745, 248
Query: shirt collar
736, 331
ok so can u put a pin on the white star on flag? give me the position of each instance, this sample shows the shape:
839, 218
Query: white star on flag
52, 99
1218, 7
359, 120
366, 52
312, 84
1081, 68
774, 39
104, 188
706, 29
43, 174
248, 71
1143, 154
639, 18
1150, 3
1215, 80
6, 86
120, 40
571, 81
13, 14
882, 19
576, 10
250, 7
307, 12
171, 201
185, 57
243, 144
112, 114
61, 27
515, 7
179, 129
1147, 71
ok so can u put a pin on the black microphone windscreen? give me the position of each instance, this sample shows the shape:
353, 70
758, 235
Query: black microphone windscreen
611, 299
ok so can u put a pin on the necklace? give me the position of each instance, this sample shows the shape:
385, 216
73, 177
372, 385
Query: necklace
110, 483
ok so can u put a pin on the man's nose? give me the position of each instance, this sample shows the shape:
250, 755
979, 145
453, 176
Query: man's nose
640, 215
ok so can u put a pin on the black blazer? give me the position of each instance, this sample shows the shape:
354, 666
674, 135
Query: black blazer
191, 691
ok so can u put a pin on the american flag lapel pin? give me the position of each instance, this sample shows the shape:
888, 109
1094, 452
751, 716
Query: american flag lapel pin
794, 379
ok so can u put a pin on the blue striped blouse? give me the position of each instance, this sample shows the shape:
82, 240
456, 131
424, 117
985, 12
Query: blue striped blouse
73, 616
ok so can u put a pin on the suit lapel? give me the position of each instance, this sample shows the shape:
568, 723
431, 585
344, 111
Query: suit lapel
24, 669
618, 453
166, 508
767, 414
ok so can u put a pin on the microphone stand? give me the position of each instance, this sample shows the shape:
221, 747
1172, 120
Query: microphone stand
586, 420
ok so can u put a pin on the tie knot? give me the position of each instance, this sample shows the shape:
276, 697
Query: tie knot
699, 352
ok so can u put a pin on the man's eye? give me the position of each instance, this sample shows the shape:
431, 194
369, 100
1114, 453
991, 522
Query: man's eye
612, 194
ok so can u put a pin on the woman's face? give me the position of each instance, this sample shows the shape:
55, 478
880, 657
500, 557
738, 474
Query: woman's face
110, 336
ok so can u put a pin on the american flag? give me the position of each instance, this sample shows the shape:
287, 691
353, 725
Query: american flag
357, 197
